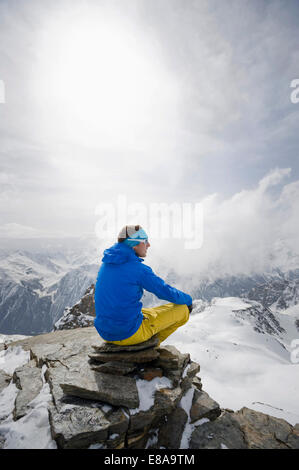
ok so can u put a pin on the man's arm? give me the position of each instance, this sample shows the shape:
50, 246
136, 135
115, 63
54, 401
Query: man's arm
153, 283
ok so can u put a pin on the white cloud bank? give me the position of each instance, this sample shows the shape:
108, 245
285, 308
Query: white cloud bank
251, 231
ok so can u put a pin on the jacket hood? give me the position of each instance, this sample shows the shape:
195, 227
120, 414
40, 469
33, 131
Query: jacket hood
120, 253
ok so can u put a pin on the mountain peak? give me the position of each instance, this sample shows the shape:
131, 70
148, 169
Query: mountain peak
160, 403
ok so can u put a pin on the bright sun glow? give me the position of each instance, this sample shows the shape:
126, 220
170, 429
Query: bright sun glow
99, 83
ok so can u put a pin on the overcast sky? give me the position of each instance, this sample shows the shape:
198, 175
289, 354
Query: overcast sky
162, 101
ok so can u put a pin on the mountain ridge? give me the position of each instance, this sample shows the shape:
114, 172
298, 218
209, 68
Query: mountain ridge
45, 281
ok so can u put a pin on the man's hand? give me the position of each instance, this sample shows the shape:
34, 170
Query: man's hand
190, 307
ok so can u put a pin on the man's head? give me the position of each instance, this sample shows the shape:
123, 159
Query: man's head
135, 237
141, 248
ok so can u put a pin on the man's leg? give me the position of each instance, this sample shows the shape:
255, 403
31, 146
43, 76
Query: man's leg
162, 320
165, 319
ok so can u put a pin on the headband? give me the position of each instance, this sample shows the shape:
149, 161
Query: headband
136, 238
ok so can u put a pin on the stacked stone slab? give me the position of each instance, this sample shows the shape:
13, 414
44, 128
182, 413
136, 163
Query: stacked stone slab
113, 378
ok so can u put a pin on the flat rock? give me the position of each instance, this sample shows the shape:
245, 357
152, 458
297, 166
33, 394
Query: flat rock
171, 359
58, 371
170, 433
203, 406
145, 355
4, 380
191, 370
114, 348
83, 337
115, 368
245, 429
196, 382
60, 353
166, 400
266, 432
138, 442
28, 379
112, 389
224, 431
81, 423
189, 374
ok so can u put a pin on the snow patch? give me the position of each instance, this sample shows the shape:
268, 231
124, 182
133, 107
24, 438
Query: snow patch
153, 439
10, 338
200, 422
186, 403
97, 446
32, 431
13, 357
238, 365
146, 391
7, 401
186, 370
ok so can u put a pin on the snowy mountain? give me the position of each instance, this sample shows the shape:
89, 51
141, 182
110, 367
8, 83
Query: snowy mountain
275, 289
82, 314
245, 353
36, 285
244, 348
279, 294
42, 278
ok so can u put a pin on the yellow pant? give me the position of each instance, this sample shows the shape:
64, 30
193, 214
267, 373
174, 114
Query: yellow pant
162, 320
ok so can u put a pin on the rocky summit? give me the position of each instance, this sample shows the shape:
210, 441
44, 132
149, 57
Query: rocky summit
141, 397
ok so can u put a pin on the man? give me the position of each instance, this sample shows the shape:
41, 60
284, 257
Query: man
120, 318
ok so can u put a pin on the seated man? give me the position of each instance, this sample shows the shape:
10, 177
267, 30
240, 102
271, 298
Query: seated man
120, 318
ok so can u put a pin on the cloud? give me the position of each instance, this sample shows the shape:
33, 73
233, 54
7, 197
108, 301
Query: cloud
14, 230
252, 231
273, 178
249, 232
219, 121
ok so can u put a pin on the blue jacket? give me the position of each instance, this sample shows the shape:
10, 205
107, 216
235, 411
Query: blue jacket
119, 288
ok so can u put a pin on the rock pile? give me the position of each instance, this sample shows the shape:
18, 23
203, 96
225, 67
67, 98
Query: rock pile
142, 396
118, 376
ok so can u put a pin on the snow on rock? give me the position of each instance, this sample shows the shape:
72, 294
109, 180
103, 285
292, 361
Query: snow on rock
147, 390
244, 356
33, 430
6, 339
7, 400
186, 403
13, 357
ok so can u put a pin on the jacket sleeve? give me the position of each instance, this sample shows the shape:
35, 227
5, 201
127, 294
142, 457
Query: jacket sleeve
152, 283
